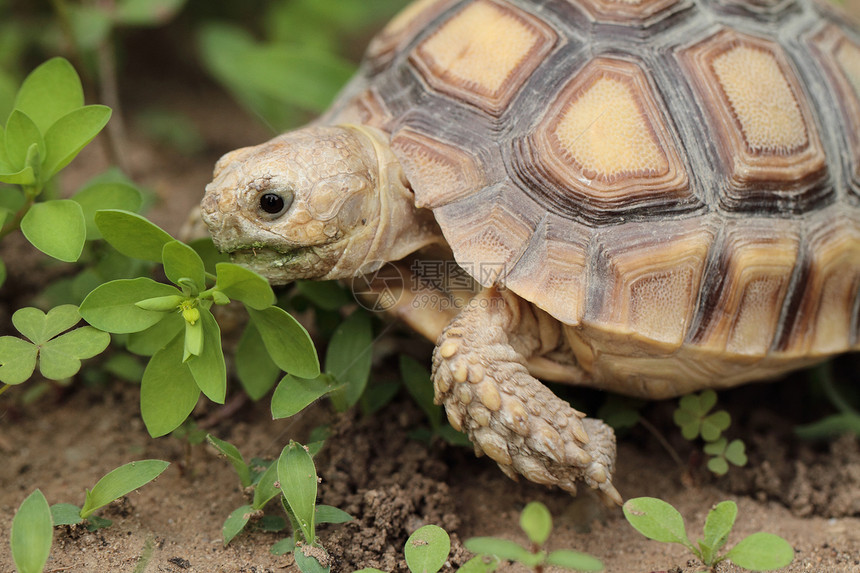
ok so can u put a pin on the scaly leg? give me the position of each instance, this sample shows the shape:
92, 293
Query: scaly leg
480, 375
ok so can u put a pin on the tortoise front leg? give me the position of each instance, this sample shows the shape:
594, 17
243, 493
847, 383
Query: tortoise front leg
480, 375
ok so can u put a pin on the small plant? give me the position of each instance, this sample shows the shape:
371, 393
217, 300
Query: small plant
297, 479
59, 355
345, 375
32, 527
536, 522
425, 551
657, 520
695, 419
175, 326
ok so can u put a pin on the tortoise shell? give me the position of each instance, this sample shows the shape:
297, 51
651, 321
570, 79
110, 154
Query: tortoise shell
666, 176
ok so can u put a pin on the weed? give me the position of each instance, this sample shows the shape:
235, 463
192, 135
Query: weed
695, 419
658, 520
32, 527
425, 551
536, 522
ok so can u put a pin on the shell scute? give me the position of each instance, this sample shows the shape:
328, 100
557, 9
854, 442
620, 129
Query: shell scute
605, 146
765, 131
484, 53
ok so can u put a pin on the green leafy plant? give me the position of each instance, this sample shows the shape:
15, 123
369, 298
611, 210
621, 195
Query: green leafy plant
112, 486
32, 528
49, 125
58, 355
695, 419
297, 480
294, 69
847, 417
191, 361
658, 520
347, 370
536, 522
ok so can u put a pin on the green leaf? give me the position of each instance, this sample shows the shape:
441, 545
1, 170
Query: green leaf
244, 285
657, 520
112, 306
714, 424
94, 523
328, 295
416, 378
235, 523
70, 134
24, 176
283, 546
50, 92
146, 12
307, 559
57, 228
233, 455
266, 487
293, 394
736, 453
254, 367
761, 552
329, 514
501, 548
536, 522
121, 481
574, 560
718, 525
718, 466
480, 564
168, 392
180, 261
832, 426
107, 195
287, 341
132, 235
32, 534
61, 357
208, 368
17, 360
40, 327
65, 514
148, 342
427, 549
21, 133
298, 479
349, 357
161, 303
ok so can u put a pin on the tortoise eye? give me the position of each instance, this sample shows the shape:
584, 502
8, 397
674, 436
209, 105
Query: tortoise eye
274, 203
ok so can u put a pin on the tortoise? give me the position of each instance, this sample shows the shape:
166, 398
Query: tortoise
653, 197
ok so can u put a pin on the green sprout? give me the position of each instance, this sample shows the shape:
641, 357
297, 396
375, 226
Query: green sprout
536, 522
32, 527
58, 355
657, 520
297, 479
425, 551
695, 419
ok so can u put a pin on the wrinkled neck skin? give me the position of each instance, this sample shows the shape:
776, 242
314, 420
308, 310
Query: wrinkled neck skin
393, 228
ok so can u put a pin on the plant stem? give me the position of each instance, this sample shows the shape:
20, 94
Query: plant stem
663, 442
4, 388
30, 192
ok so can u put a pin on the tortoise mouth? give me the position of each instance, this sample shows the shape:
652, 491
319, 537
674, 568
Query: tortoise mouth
279, 266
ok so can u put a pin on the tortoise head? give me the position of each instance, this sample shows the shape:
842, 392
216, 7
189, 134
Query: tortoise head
305, 204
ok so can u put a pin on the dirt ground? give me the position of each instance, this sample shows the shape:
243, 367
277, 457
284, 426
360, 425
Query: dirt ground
807, 492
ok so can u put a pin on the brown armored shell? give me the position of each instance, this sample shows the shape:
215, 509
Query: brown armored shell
666, 177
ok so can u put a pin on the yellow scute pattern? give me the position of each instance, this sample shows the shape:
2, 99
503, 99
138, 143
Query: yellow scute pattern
481, 47
606, 133
761, 100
